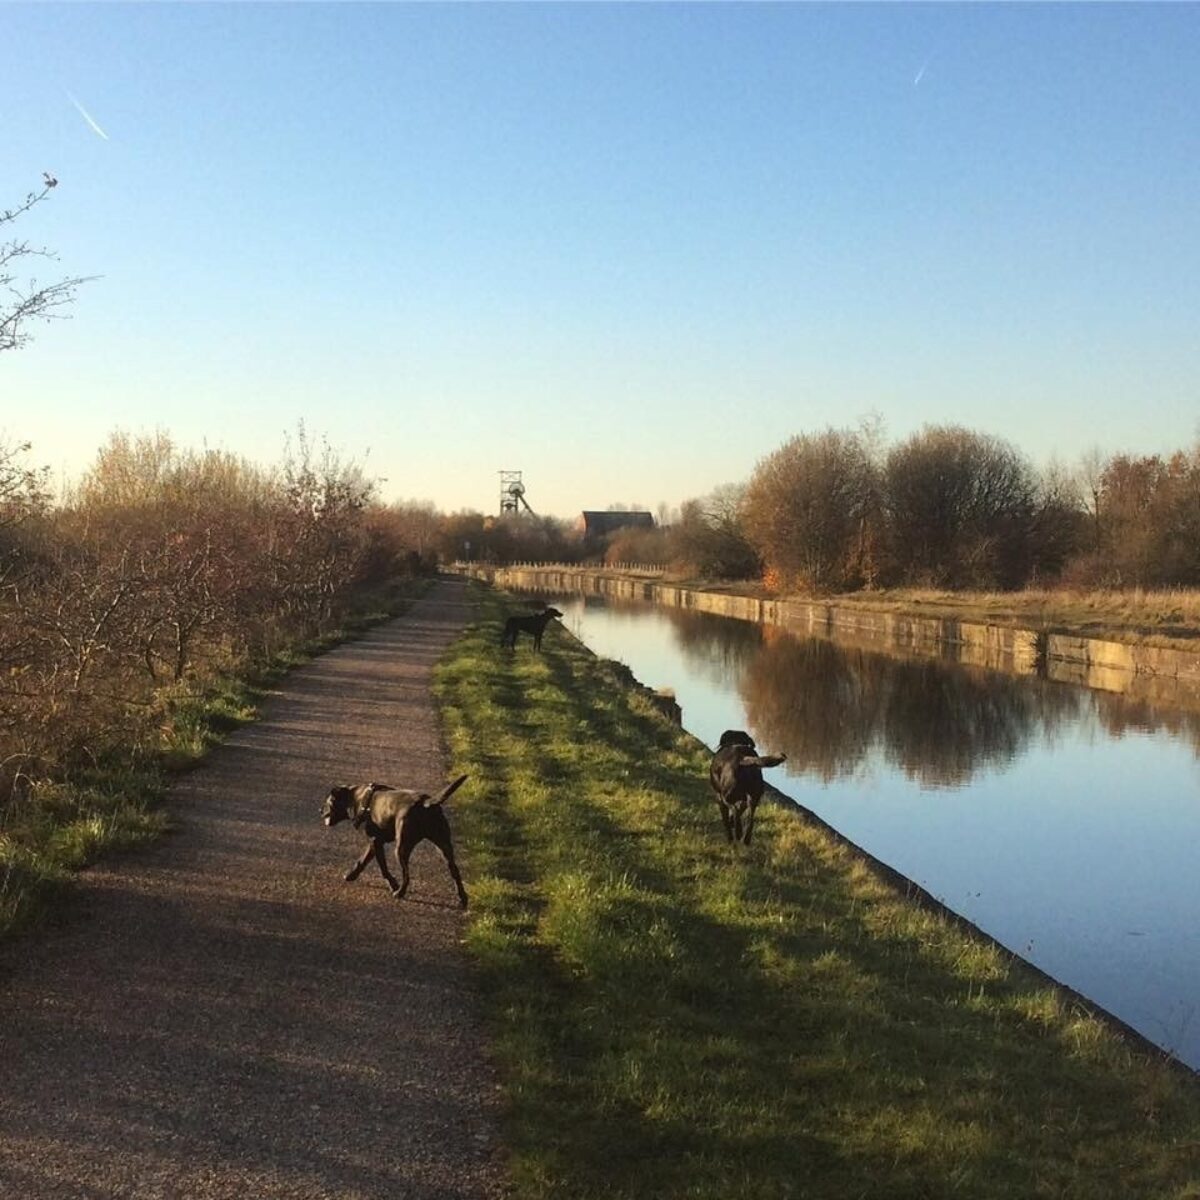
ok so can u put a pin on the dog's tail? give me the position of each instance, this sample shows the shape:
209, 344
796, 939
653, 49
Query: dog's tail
446, 792
761, 760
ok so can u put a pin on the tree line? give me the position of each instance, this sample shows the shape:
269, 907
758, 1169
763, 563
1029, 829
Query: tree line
162, 567
948, 507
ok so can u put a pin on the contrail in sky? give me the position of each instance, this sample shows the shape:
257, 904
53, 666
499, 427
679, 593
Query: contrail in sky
921, 72
83, 112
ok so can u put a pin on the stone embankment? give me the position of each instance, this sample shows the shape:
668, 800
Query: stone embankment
1152, 673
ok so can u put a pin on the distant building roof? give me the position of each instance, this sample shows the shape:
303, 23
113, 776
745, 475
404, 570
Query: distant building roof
598, 524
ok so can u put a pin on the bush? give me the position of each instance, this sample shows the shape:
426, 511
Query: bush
810, 510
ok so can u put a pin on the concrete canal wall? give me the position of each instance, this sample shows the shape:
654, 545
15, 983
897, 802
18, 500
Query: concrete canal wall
1156, 674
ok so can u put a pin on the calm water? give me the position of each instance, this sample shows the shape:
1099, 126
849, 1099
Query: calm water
1063, 821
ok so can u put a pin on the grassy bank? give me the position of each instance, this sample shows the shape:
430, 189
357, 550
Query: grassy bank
673, 1018
61, 818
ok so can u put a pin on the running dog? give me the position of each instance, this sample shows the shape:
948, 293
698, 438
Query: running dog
534, 625
387, 814
736, 777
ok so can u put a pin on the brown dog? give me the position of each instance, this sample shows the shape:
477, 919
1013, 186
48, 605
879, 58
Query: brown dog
736, 777
387, 814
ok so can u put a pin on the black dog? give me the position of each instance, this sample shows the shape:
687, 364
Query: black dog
386, 814
534, 625
736, 777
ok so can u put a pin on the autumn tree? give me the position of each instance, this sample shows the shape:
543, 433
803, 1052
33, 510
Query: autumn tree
23, 505
710, 536
1149, 532
1061, 523
318, 537
960, 508
810, 508
193, 529
639, 544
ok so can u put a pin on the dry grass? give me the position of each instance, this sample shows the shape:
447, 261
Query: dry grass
1142, 616
1167, 617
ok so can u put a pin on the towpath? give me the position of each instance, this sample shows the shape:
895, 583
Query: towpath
223, 1016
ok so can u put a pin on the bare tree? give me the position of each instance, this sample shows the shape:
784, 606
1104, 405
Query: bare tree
710, 535
320, 531
961, 507
809, 511
23, 303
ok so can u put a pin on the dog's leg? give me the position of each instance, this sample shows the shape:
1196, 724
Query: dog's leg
458, 883
379, 850
749, 824
441, 839
448, 855
404, 849
356, 870
738, 811
726, 819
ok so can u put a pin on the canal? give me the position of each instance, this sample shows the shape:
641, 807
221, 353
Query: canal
1065, 822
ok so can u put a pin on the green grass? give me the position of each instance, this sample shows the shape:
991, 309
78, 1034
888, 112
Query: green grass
675, 1018
59, 823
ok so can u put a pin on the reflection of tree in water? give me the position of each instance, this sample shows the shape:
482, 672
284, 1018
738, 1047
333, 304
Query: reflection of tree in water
717, 647
1119, 715
825, 705
943, 722
813, 701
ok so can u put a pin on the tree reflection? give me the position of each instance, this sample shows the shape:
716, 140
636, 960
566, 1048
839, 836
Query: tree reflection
826, 706
1121, 714
813, 701
942, 722
719, 648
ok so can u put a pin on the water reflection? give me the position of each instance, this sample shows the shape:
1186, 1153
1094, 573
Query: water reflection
830, 708
721, 653
1120, 714
941, 725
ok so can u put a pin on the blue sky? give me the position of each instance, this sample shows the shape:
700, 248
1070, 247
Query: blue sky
627, 249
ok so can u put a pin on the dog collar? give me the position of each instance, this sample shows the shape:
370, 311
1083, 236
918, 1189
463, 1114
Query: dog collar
364, 811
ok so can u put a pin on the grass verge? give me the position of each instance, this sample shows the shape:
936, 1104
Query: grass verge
673, 1018
60, 821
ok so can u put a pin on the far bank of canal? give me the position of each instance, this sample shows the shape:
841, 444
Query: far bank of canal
1060, 819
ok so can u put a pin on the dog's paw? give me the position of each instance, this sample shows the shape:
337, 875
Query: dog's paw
350, 876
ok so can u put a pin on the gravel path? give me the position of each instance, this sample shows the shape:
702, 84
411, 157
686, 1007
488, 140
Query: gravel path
223, 1016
